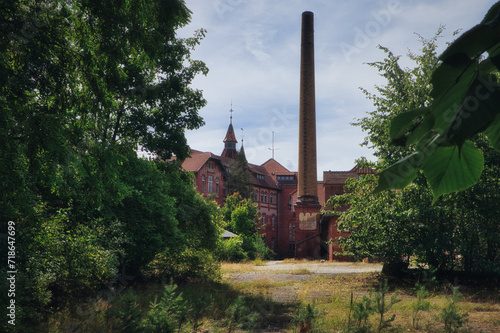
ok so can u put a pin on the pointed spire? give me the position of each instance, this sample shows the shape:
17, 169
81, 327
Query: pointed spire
230, 139
242, 149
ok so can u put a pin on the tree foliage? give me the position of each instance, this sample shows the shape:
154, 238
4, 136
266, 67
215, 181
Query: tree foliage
241, 217
239, 176
464, 101
82, 85
459, 231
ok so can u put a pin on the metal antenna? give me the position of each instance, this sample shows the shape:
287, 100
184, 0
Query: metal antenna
273, 149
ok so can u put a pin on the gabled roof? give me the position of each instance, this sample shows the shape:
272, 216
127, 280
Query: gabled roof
265, 179
197, 160
271, 165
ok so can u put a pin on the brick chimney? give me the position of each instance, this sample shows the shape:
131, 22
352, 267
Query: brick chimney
307, 176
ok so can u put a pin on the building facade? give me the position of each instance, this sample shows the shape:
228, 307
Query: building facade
291, 203
275, 192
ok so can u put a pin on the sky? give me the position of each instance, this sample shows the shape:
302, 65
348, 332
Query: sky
252, 50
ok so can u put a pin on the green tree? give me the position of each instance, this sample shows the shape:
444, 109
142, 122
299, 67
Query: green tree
240, 215
465, 99
458, 231
239, 176
82, 85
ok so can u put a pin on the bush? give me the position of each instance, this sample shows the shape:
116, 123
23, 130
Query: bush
232, 250
167, 315
188, 265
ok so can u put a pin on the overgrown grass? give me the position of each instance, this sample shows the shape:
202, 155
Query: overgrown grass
320, 303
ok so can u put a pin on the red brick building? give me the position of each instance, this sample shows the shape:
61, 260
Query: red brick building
290, 203
275, 194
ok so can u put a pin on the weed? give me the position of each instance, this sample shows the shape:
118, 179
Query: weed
449, 315
358, 315
301, 271
126, 314
420, 304
381, 307
238, 315
258, 261
167, 315
304, 318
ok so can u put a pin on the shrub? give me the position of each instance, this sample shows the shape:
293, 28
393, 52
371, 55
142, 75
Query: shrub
167, 315
232, 250
449, 315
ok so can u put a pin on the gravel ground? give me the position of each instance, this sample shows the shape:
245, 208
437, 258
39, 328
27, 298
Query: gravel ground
283, 271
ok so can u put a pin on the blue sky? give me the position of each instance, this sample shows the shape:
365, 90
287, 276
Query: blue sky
252, 49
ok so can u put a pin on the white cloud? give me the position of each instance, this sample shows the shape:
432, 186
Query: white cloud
252, 49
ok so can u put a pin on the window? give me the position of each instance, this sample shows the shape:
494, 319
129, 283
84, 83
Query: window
260, 176
272, 244
273, 221
273, 198
292, 232
210, 165
203, 183
217, 185
255, 196
262, 196
224, 189
265, 196
263, 219
210, 184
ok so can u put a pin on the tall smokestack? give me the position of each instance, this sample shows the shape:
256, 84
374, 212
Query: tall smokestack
307, 178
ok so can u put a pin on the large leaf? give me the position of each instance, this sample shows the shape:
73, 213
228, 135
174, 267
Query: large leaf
400, 173
493, 133
451, 169
450, 84
478, 39
403, 122
477, 112
492, 14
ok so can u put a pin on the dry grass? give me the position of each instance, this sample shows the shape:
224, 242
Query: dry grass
331, 295
276, 296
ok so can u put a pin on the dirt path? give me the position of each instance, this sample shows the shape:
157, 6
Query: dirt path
283, 271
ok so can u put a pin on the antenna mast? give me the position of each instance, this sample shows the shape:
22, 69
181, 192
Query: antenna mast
273, 149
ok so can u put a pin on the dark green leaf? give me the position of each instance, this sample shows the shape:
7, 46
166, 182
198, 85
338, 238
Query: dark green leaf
451, 169
473, 42
493, 133
479, 108
424, 129
492, 15
450, 85
400, 173
404, 122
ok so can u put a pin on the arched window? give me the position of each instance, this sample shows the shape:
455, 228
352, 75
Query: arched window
210, 184
217, 185
203, 183
263, 219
